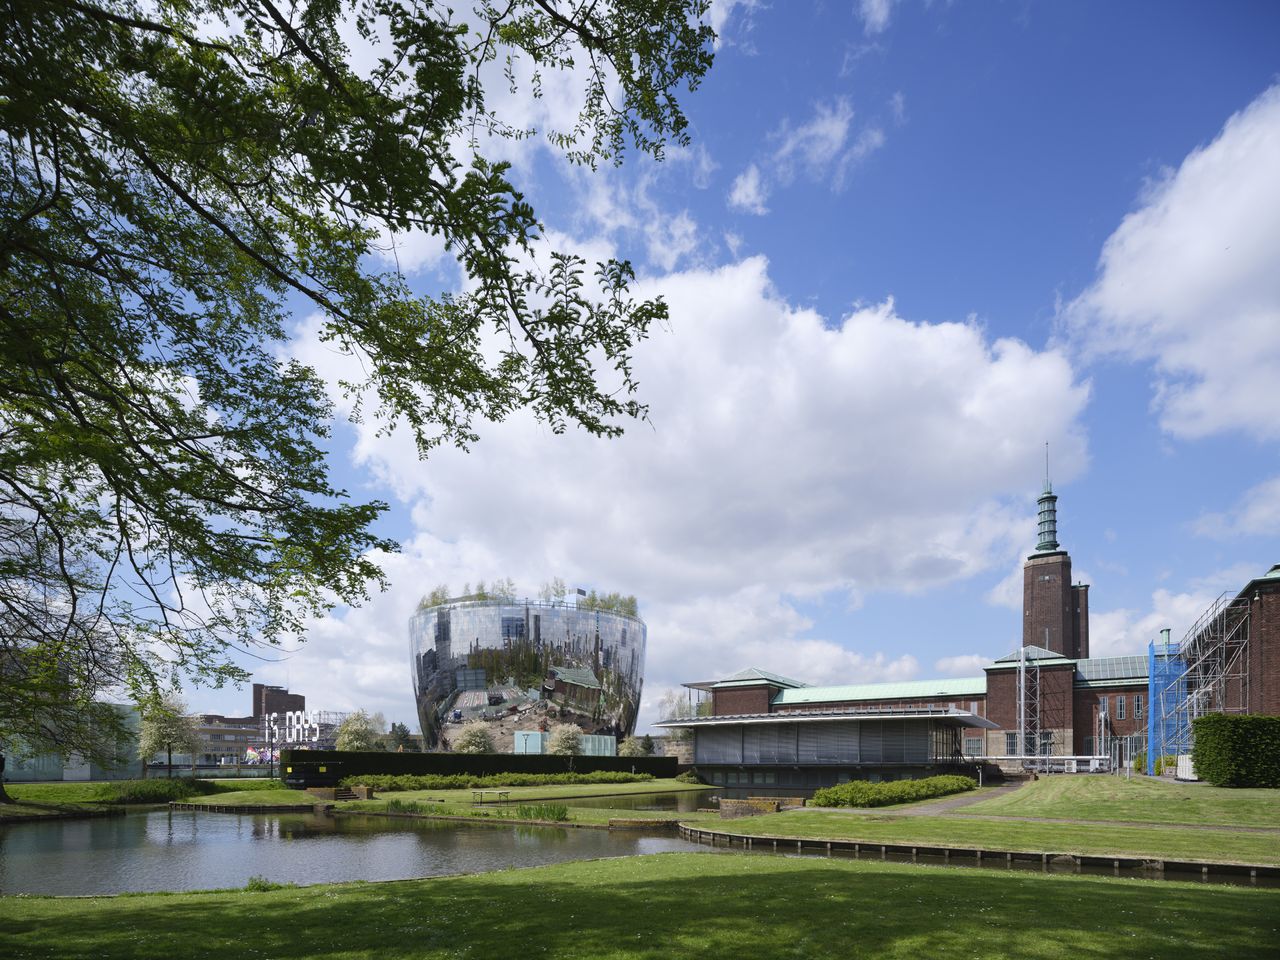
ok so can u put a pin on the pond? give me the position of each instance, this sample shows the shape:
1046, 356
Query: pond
684, 802
184, 850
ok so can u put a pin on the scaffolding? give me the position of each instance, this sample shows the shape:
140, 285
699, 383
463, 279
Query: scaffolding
1206, 673
1029, 746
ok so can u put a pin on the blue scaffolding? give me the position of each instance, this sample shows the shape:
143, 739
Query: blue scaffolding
1166, 693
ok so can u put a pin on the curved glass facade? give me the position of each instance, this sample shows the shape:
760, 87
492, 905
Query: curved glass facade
525, 665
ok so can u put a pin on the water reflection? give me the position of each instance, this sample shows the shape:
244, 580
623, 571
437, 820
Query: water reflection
185, 850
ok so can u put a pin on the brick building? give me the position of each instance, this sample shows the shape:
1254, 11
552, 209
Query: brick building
1047, 703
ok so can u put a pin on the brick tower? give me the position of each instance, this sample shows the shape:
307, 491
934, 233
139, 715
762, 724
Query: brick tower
1055, 613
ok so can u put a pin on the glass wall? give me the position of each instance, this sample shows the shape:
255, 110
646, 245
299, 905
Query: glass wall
525, 666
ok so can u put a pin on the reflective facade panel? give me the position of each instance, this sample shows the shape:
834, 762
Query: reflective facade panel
525, 665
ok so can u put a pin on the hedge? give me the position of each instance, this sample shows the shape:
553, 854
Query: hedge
1236, 750
862, 793
328, 767
390, 783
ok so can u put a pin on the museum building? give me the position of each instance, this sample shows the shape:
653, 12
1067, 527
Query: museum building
1047, 705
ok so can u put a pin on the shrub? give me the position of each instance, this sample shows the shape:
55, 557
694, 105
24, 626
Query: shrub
261, 884
565, 740
1237, 750
153, 791
689, 777
631, 747
390, 783
861, 793
474, 738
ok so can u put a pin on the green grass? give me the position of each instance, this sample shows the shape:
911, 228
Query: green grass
1140, 800
279, 797
1174, 843
80, 798
421, 806
557, 791
676, 905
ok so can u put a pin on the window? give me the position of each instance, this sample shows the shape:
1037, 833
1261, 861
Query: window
973, 707
1010, 744
1137, 706
1119, 708
973, 746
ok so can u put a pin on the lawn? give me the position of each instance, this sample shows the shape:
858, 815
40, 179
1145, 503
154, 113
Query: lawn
64, 798
1174, 843
280, 797
1140, 800
675, 905
554, 791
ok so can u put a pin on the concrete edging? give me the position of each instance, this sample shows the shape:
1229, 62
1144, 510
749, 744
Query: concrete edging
1158, 865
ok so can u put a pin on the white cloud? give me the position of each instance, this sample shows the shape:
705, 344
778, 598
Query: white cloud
818, 148
749, 193
875, 14
1008, 592
788, 456
722, 12
815, 144
1256, 514
1123, 632
1190, 282
671, 239
964, 665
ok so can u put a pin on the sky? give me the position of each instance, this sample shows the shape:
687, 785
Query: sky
910, 244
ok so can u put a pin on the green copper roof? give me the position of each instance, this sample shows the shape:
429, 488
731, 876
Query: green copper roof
1112, 668
756, 675
578, 676
1033, 653
905, 690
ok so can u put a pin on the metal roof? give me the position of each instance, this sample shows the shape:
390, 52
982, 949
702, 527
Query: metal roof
906, 690
960, 718
753, 675
1112, 668
1033, 653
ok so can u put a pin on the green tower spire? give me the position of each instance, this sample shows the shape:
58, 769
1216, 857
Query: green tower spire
1048, 526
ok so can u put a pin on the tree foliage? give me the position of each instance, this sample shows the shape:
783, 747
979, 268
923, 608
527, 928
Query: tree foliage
180, 176
631, 747
166, 728
474, 737
565, 740
401, 738
361, 731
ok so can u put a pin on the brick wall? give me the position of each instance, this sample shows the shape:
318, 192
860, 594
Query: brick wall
740, 700
1264, 650
1048, 607
1087, 702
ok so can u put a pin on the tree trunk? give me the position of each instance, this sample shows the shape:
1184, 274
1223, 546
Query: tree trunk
4, 797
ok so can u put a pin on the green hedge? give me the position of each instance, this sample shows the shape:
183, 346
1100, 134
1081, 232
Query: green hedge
389, 783
861, 793
323, 768
1237, 751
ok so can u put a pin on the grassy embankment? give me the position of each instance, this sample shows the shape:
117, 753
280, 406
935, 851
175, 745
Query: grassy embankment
1140, 800
458, 803
63, 799
1173, 834
673, 905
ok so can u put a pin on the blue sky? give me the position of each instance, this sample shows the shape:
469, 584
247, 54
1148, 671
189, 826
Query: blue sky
910, 243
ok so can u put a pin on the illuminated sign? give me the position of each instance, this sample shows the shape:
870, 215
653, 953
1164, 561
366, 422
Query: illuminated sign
295, 726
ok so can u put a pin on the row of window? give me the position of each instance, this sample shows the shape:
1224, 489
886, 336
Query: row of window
1117, 707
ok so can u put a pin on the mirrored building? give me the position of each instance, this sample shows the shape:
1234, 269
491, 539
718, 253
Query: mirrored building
525, 665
